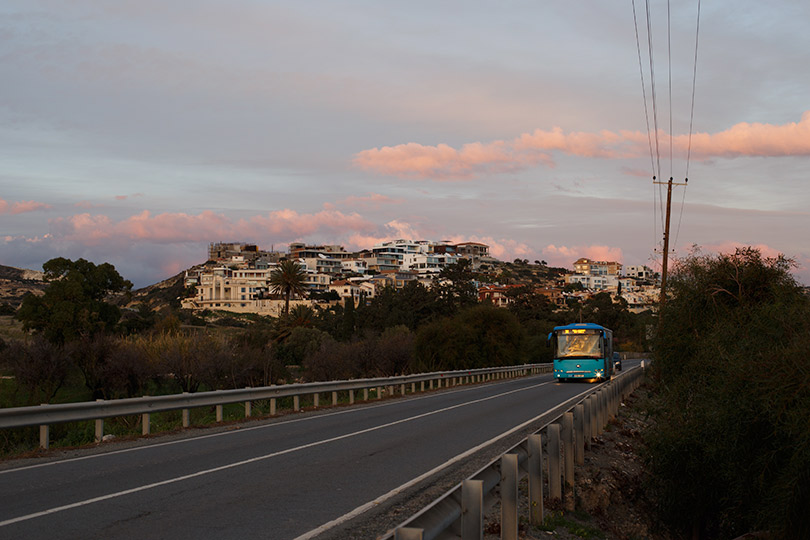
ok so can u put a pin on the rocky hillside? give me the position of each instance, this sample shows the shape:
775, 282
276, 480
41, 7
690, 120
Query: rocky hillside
166, 293
15, 283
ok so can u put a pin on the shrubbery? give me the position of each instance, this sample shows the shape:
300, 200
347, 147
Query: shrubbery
730, 452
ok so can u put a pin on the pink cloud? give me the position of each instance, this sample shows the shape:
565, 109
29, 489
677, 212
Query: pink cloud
443, 162
120, 197
565, 256
170, 228
731, 247
21, 207
744, 139
394, 230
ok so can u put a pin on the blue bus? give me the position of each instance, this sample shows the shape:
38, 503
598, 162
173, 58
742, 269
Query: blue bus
582, 351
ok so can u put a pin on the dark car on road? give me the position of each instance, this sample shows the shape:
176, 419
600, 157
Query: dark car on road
617, 361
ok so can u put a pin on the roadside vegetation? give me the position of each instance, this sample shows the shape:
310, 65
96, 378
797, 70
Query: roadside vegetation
729, 451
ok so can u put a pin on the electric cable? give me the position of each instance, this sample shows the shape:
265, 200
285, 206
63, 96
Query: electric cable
691, 120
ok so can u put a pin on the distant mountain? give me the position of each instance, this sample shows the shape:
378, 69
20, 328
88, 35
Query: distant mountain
15, 283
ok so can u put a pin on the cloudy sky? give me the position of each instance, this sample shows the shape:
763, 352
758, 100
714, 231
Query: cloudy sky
136, 133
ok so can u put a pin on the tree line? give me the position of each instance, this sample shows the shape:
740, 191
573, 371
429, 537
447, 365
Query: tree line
82, 346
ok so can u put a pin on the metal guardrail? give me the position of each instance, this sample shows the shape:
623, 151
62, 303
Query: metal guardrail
459, 512
47, 414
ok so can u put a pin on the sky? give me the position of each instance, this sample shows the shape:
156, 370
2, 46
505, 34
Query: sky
136, 133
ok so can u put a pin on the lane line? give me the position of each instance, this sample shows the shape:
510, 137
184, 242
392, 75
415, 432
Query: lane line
256, 459
232, 431
382, 498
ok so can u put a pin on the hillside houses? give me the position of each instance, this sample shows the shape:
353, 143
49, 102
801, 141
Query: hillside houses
236, 276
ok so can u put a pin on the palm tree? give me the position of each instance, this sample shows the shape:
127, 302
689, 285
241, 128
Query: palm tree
287, 279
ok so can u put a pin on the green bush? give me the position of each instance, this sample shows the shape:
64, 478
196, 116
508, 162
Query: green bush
730, 452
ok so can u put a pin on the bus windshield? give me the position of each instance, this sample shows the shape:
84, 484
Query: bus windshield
578, 345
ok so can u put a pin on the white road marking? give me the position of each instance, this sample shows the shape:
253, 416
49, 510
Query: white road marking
254, 460
229, 432
382, 498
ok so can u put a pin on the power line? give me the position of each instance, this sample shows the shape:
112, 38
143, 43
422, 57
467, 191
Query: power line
655, 161
646, 119
643, 90
652, 88
694, 79
691, 120
669, 62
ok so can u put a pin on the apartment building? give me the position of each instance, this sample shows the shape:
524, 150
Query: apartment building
595, 282
587, 267
639, 271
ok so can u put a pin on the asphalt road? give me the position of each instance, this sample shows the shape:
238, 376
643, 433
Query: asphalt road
293, 478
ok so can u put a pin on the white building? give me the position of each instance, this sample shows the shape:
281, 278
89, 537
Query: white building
595, 282
354, 266
638, 271
353, 289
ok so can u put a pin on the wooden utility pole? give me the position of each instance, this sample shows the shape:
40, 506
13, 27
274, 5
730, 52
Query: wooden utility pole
665, 262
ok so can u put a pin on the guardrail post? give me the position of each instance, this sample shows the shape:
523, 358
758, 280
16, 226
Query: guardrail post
472, 510
146, 422
587, 419
579, 434
185, 415
296, 403
509, 495
248, 409
554, 469
316, 400
99, 427
603, 413
614, 399
272, 406
568, 458
535, 446
422, 386
44, 434
379, 393
568, 447
365, 394
402, 389
408, 533
334, 398
351, 397
599, 412
413, 388
219, 413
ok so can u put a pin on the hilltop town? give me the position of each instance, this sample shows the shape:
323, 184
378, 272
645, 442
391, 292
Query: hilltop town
236, 275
